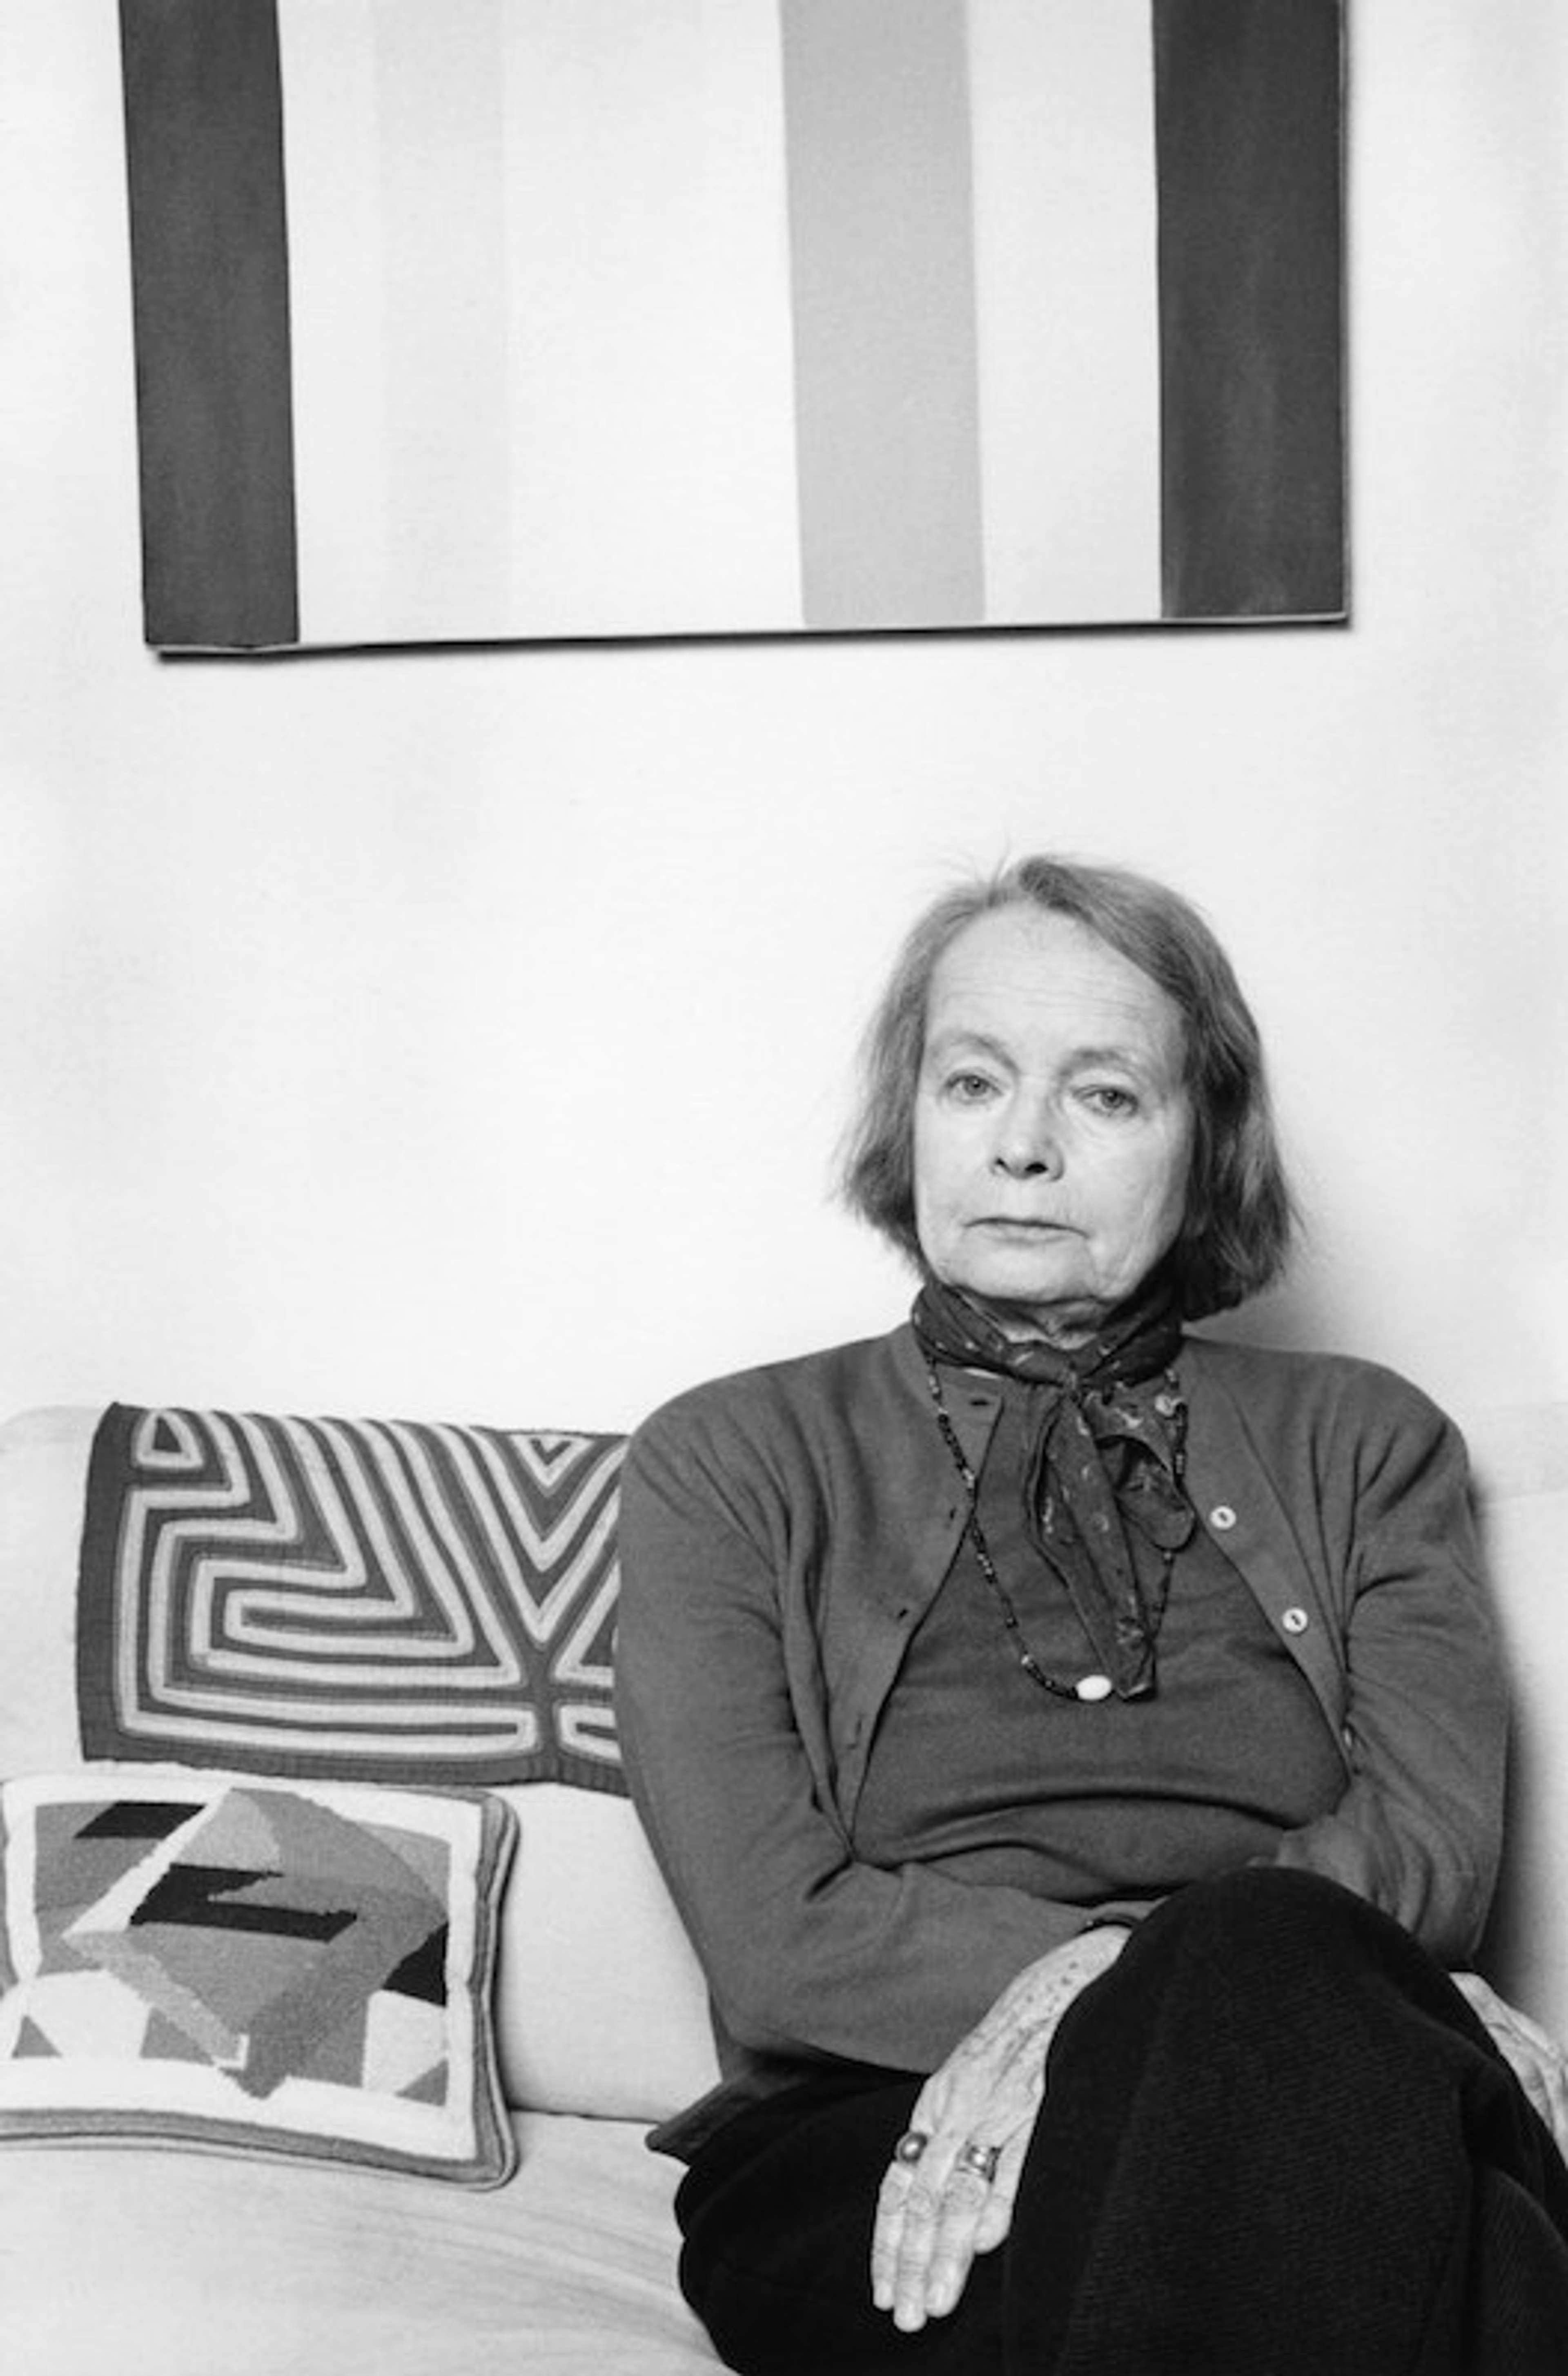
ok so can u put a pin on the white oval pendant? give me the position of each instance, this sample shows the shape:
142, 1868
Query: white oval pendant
1094, 1687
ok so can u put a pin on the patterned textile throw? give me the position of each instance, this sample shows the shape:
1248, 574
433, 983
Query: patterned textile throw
225, 1963
369, 1598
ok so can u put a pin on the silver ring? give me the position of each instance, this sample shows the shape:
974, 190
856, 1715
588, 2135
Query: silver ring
910, 2146
982, 2159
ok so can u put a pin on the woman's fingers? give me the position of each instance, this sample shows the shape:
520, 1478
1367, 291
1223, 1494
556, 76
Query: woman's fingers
996, 2219
946, 2198
1533, 2055
908, 2208
931, 2216
908, 2205
1539, 2067
933, 2291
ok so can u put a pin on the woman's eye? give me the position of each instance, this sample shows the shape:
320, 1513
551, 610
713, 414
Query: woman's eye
1106, 1098
969, 1088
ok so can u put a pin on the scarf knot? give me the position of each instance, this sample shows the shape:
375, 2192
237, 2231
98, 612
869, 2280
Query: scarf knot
1105, 1431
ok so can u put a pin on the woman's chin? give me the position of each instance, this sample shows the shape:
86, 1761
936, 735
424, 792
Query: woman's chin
1035, 1295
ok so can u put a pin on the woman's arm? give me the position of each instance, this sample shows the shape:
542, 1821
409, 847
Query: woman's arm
805, 1948
1418, 1830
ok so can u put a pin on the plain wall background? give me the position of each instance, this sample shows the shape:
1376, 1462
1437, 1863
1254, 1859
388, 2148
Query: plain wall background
468, 1034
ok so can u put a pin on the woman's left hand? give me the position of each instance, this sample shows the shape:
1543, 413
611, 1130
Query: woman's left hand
935, 2212
1537, 2061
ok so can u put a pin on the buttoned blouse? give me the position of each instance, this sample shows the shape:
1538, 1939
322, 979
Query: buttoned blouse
784, 1531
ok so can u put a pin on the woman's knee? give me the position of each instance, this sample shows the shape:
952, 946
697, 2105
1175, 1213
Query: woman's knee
1269, 1912
1287, 1944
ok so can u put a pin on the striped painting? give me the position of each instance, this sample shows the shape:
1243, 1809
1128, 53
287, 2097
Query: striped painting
474, 320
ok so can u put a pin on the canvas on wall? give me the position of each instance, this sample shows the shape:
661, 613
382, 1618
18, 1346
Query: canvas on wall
465, 320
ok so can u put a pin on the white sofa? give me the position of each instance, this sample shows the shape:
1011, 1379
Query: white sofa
175, 2262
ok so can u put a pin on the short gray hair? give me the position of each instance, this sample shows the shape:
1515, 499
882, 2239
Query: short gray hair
1241, 1215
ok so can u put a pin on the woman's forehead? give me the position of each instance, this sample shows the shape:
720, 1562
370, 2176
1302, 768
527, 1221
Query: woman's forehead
1026, 973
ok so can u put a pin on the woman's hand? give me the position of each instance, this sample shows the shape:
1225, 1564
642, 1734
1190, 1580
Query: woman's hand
1537, 2061
935, 2210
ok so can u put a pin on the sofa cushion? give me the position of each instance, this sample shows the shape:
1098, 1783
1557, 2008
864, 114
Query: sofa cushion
225, 1962
217, 2267
600, 2002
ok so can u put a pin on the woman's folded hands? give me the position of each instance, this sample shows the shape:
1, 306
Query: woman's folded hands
949, 2192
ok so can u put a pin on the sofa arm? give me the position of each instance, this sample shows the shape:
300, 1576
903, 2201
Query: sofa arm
43, 1463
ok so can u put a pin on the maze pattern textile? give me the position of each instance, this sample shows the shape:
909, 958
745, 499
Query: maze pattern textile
374, 1599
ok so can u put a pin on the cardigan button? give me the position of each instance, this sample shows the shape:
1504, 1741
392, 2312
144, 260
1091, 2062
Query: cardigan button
1224, 1517
1295, 1621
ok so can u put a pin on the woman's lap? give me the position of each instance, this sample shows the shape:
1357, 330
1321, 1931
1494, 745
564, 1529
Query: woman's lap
1275, 2139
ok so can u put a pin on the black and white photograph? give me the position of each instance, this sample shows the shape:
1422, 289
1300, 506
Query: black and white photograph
784, 1187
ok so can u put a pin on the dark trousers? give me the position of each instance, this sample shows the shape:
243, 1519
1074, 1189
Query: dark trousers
1276, 2141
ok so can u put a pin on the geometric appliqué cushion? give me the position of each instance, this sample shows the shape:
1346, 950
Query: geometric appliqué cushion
374, 1599
206, 1960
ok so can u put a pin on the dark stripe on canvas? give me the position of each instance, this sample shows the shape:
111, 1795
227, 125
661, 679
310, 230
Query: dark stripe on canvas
204, 134
1248, 97
883, 297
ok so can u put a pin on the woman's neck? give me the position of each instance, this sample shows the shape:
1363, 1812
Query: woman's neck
1064, 1328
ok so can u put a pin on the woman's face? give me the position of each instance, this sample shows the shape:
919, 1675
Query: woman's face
1054, 1130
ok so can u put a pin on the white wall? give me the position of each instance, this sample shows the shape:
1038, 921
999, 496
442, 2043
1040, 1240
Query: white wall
466, 1035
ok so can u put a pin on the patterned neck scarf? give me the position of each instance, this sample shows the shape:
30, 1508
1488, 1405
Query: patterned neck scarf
1105, 1429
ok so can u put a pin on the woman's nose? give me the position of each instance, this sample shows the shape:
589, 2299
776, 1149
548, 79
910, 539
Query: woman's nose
1027, 1147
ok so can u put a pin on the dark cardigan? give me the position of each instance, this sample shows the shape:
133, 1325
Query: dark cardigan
755, 1650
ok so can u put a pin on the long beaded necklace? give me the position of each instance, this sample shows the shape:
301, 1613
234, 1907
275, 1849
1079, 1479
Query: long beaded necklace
1092, 1687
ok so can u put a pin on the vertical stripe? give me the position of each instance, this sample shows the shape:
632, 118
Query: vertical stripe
209, 287
653, 475
342, 473
441, 98
882, 265
394, 131
1248, 98
1067, 308
550, 395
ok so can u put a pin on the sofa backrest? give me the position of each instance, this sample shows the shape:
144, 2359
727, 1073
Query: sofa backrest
600, 2006
1520, 1460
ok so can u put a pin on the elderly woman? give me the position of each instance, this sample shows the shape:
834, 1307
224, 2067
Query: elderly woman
1076, 1745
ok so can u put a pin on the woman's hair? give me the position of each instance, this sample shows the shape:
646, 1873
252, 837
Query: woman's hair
1240, 1216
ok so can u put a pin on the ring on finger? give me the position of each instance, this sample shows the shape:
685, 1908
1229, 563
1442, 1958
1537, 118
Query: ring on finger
910, 2146
982, 2159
